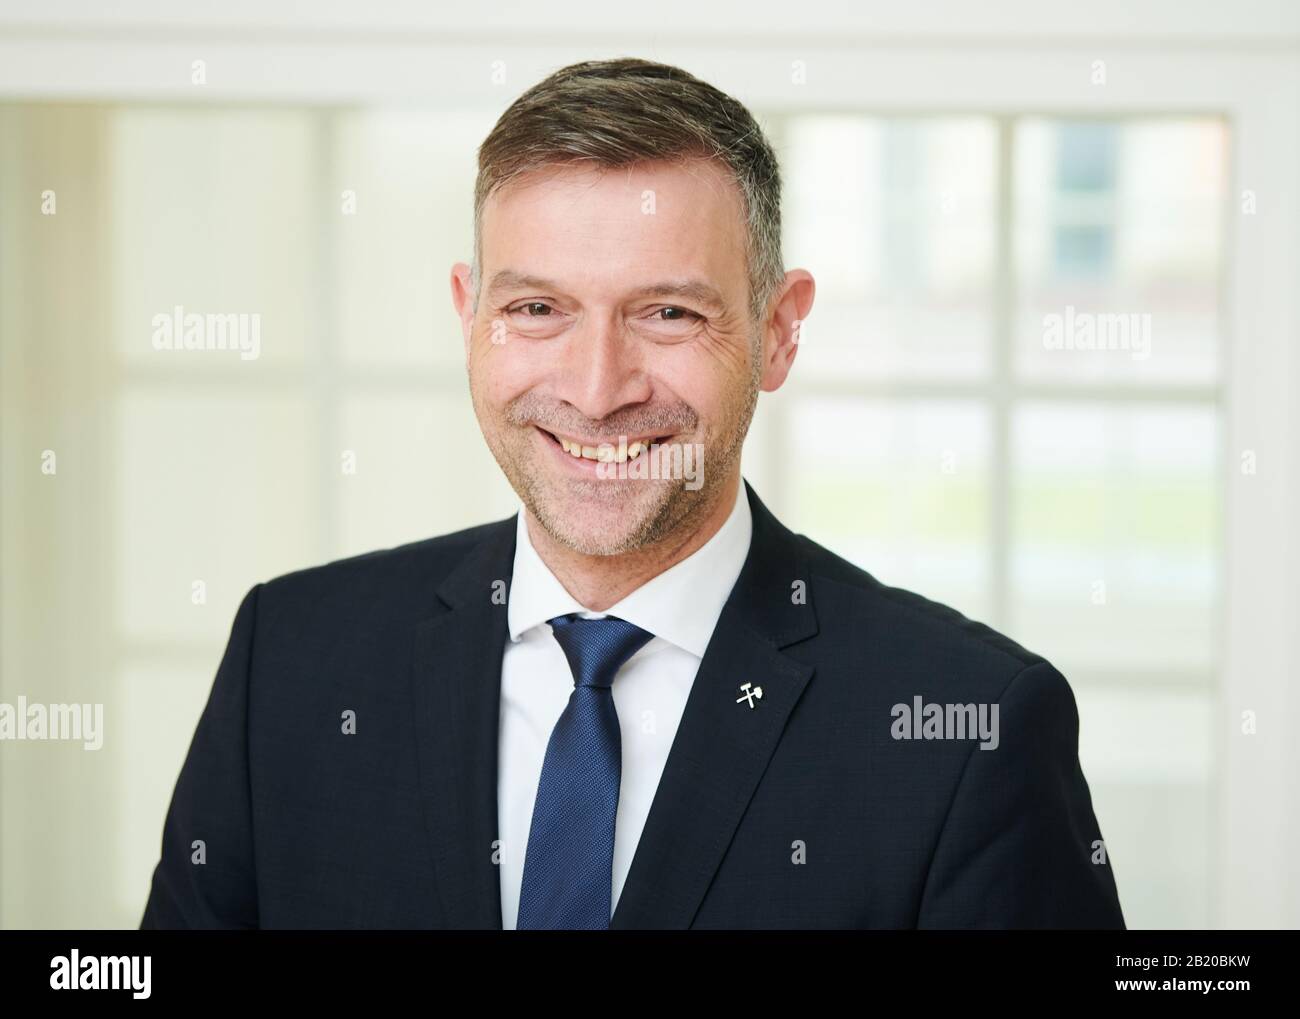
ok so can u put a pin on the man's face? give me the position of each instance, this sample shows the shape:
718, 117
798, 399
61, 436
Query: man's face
614, 305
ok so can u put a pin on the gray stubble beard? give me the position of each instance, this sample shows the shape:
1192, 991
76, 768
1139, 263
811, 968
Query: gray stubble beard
673, 512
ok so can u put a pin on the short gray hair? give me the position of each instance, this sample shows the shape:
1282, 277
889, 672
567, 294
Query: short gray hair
616, 113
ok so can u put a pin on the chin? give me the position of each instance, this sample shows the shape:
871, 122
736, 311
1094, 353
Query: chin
604, 520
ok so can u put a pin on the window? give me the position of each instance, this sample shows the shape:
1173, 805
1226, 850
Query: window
1008, 398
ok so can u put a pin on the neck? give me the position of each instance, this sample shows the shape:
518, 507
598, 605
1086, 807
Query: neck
598, 582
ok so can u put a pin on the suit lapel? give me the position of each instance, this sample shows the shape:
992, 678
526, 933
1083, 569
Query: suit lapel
722, 747
456, 691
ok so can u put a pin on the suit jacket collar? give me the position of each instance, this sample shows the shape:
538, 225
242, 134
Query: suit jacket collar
720, 750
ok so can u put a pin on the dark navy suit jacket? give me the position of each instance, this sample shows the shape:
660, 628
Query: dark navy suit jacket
801, 812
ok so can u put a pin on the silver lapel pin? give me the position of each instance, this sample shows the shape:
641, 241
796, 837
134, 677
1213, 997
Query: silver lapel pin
749, 695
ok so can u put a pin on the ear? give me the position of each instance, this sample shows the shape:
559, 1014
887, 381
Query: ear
781, 333
462, 299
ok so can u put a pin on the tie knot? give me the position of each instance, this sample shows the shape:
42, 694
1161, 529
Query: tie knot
597, 648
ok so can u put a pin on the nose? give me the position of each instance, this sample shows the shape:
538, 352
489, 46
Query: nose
602, 370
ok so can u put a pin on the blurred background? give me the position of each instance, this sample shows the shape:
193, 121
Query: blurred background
957, 177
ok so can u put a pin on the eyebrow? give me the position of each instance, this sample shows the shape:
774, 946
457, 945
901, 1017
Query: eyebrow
692, 289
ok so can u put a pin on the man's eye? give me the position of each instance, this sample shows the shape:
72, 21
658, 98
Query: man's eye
530, 305
677, 314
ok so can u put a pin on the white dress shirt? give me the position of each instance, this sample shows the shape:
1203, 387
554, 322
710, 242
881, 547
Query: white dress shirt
680, 607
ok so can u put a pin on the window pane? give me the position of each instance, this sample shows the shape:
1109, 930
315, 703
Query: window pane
1115, 524
895, 218
901, 489
421, 469
156, 706
214, 487
412, 178
1149, 759
1118, 238
212, 211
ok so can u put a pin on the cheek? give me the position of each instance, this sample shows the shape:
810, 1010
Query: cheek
705, 396
710, 377
503, 371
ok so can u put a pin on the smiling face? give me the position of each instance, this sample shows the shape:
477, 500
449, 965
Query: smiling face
614, 306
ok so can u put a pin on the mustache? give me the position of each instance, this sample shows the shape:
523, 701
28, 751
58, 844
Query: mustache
664, 419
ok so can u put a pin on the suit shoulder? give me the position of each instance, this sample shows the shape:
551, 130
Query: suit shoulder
848, 596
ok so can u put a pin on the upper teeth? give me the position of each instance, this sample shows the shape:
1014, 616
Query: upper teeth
605, 453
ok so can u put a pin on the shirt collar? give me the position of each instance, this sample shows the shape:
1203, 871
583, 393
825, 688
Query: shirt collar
681, 605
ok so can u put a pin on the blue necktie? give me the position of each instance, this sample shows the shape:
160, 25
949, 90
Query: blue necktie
567, 881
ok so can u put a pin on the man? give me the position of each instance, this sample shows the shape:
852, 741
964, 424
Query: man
642, 702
